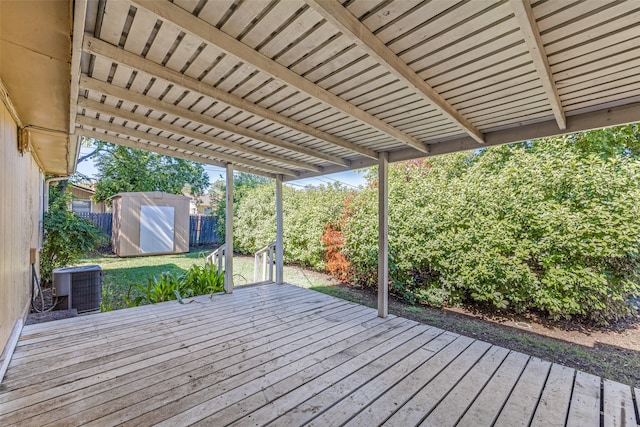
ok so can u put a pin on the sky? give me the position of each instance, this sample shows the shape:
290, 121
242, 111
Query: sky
349, 179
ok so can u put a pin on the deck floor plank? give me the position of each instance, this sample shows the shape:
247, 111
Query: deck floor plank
229, 344
522, 403
385, 368
287, 356
452, 408
199, 371
637, 393
288, 394
320, 411
115, 326
228, 388
394, 398
422, 403
619, 409
486, 407
584, 409
64, 375
556, 396
62, 356
264, 405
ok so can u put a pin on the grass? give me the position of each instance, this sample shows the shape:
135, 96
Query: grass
119, 274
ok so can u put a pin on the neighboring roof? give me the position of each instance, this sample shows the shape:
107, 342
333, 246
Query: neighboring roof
35, 53
82, 188
149, 194
202, 200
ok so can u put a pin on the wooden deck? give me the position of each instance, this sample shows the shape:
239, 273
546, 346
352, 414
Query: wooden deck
283, 355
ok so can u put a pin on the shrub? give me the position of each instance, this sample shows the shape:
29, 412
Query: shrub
198, 280
336, 263
67, 237
306, 213
157, 289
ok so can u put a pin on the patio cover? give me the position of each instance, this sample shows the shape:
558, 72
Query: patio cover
298, 88
302, 88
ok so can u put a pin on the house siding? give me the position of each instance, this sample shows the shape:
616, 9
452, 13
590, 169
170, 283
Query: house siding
20, 192
81, 194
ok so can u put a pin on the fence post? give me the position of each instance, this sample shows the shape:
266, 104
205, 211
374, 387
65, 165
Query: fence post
256, 266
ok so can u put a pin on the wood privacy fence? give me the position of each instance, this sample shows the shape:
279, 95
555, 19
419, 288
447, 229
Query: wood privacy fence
101, 220
202, 228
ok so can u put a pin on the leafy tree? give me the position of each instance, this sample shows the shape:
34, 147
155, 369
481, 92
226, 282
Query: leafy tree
619, 141
67, 236
243, 183
123, 169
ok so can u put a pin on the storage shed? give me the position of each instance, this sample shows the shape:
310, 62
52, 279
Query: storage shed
150, 223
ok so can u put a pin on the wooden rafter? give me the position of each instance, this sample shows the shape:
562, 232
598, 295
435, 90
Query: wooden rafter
105, 50
199, 136
524, 15
126, 142
158, 105
110, 127
352, 28
210, 34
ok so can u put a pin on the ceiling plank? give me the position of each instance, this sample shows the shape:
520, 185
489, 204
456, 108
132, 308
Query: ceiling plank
158, 105
524, 15
161, 150
352, 28
105, 50
210, 34
168, 127
110, 127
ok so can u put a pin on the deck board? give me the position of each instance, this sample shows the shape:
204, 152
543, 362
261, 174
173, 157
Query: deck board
283, 355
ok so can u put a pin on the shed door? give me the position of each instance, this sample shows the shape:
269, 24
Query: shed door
156, 229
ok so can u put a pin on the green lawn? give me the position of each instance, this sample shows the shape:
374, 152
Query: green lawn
121, 273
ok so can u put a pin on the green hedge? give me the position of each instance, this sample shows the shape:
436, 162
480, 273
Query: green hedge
549, 226
542, 226
306, 211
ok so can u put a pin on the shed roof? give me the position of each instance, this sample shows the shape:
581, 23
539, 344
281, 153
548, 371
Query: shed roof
149, 194
303, 88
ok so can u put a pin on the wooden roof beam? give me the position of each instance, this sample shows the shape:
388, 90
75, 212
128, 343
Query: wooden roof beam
101, 136
358, 33
210, 34
158, 105
105, 50
199, 136
110, 127
524, 15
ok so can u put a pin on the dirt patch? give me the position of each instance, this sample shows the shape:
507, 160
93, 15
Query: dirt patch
613, 353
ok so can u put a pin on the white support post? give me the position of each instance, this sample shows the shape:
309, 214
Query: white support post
279, 233
228, 258
383, 234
